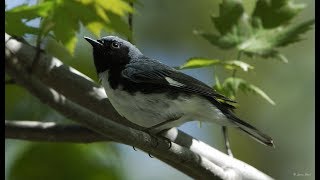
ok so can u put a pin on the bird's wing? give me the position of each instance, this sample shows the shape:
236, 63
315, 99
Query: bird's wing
153, 72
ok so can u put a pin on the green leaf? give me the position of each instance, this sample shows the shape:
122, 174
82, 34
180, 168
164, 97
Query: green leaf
260, 34
265, 42
65, 24
115, 6
95, 27
110, 13
240, 64
258, 91
275, 13
219, 88
18, 28
217, 85
198, 63
232, 85
117, 24
64, 18
227, 41
16, 18
290, 34
230, 12
30, 12
203, 62
95, 15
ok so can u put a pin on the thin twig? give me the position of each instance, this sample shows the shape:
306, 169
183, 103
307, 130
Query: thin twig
130, 22
226, 138
36, 58
224, 128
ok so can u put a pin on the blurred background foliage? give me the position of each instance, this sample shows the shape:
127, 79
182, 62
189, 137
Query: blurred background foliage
208, 34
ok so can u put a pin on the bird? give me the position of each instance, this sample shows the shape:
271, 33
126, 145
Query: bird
156, 96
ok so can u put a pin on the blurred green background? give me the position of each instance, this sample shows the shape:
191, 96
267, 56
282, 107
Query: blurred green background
163, 30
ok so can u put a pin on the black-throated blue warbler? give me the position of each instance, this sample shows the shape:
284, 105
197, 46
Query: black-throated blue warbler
156, 96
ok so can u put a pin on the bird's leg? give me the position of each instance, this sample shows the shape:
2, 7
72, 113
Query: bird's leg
152, 136
164, 138
155, 137
226, 140
159, 134
154, 146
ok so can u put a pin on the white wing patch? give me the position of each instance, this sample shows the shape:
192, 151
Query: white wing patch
173, 82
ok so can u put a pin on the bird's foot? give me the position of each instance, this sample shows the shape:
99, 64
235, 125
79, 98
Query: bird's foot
159, 135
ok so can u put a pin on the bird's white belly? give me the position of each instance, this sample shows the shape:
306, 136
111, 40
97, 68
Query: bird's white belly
147, 110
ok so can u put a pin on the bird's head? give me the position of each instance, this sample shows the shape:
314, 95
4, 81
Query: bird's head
112, 52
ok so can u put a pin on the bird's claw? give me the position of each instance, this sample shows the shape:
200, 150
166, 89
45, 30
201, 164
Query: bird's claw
134, 148
150, 155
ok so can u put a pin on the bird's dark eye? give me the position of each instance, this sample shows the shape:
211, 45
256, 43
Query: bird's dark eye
115, 45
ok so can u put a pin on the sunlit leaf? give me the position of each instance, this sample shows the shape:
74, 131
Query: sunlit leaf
203, 62
120, 8
30, 12
236, 63
17, 17
64, 18
199, 62
218, 86
95, 27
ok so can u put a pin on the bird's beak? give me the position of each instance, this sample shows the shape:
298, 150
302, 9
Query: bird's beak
93, 42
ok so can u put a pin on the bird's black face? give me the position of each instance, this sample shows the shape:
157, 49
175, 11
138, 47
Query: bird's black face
110, 52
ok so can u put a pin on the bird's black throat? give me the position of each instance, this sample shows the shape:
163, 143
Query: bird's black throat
107, 60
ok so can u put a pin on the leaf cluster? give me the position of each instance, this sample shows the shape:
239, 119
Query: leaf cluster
257, 34
62, 19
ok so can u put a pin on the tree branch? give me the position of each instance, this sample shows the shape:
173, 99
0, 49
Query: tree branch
50, 132
63, 79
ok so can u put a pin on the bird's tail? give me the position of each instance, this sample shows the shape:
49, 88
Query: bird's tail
253, 132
